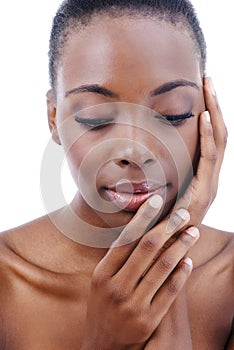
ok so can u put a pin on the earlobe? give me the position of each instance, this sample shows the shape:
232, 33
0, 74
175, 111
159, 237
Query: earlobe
51, 112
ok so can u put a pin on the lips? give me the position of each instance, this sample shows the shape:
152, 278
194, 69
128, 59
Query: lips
130, 196
129, 187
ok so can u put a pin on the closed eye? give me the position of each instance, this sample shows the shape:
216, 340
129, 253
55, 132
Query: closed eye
176, 119
97, 123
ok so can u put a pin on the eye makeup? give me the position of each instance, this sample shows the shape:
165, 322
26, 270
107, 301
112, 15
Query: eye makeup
94, 123
99, 123
175, 119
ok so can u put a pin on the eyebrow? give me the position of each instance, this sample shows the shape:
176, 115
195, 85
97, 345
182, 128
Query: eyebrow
167, 87
97, 89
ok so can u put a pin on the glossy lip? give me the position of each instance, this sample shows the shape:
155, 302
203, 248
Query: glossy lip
135, 187
130, 196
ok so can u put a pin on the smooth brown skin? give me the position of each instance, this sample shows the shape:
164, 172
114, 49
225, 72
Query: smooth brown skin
49, 282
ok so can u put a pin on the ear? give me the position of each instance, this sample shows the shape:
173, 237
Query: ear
51, 112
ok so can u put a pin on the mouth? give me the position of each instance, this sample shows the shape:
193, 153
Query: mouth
130, 196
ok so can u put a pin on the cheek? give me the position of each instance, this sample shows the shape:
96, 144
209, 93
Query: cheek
77, 144
190, 137
182, 147
76, 155
86, 156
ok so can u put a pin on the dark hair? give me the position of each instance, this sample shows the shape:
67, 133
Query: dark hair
72, 13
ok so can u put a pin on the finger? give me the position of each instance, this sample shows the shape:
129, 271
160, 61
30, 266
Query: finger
219, 128
163, 267
165, 297
130, 236
212, 104
144, 219
150, 246
208, 152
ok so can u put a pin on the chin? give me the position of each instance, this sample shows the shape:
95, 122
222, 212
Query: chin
123, 217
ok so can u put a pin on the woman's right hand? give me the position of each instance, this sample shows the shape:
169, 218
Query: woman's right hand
135, 284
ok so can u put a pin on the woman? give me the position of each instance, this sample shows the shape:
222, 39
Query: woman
128, 265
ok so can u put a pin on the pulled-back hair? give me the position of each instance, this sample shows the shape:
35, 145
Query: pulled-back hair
74, 13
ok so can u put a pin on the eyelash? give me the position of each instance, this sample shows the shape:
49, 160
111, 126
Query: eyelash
177, 119
97, 124
93, 124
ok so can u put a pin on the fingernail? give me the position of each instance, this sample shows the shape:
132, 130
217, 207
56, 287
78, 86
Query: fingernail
193, 232
176, 218
183, 214
156, 201
189, 262
207, 116
211, 86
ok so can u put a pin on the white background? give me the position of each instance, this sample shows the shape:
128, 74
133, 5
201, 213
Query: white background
24, 28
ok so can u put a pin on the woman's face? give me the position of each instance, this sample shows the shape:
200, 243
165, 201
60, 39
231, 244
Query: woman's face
119, 81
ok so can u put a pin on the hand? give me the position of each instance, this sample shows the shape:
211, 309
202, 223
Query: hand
131, 292
174, 330
213, 139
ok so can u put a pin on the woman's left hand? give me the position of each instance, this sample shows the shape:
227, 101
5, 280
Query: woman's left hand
213, 139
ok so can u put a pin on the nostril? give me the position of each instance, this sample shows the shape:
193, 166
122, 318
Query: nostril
124, 162
127, 163
148, 161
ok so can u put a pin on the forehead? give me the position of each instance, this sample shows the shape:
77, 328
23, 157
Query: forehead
133, 51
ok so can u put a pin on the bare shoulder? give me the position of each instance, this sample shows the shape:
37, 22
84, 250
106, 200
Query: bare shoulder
219, 241
213, 255
25, 246
217, 246
215, 263
13, 245
37, 246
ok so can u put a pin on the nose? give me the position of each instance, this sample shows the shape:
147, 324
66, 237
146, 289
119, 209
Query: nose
134, 155
123, 163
